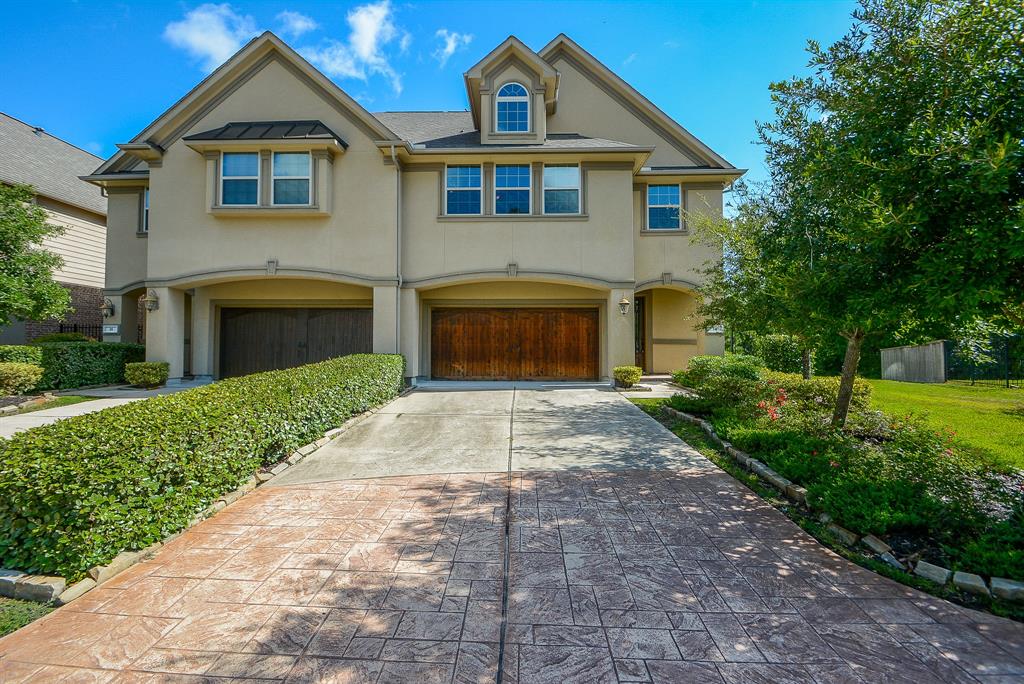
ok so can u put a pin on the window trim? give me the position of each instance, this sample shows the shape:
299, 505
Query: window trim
498, 99
144, 227
308, 179
578, 188
648, 206
479, 189
529, 190
222, 178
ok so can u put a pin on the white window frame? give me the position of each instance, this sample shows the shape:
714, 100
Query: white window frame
578, 188
479, 189
647, 219
529, 190
257, 178
308, 178
145, 211
513, 98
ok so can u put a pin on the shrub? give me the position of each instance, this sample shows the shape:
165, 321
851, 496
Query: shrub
693, 405
18, 378
781, 353
75, 493
627, 376
20, 353
819, 393
700, 368
146, 374
62, 337
67, 365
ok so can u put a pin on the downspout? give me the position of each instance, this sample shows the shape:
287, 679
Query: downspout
398, 252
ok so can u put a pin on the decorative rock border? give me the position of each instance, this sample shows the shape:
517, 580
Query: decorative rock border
47, 589
1000, 587
30, 401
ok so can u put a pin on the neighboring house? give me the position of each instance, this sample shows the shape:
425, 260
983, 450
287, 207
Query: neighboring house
31, 156
269, 220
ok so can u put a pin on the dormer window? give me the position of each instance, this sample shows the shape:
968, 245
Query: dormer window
513, 109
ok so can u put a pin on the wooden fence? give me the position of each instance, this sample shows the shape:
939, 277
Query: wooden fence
920, 363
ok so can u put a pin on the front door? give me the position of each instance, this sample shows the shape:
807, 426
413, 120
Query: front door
640, 332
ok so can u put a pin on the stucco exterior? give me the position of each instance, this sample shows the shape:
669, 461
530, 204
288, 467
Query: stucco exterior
376, 232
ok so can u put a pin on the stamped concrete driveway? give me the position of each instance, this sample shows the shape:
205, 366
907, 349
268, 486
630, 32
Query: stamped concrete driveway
672, 572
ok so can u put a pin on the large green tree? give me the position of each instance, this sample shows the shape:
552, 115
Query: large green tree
27, 288
897, 174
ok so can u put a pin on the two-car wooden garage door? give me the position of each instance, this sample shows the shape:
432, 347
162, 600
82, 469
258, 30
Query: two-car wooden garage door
514, 344
261, 339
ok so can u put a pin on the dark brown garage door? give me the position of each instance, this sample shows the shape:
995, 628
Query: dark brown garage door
514, 344
255, 340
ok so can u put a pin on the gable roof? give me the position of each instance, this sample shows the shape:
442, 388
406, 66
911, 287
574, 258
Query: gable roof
170, 125
31, 156
419, 127
563, 44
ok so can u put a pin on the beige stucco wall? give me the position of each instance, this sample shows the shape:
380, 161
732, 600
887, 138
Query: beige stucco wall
82, 245
674, 337
126, 249
357, 239
681, 254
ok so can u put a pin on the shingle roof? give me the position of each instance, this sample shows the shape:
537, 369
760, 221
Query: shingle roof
442, 130
270, 130
31, 156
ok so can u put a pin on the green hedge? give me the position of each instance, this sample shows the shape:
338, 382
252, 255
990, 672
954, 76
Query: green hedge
67, 365
75, 493
20, 353
143, 374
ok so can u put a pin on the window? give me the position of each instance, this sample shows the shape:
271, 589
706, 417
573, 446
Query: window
512, 189
240, 178
663, 207
291, 178
561, 189
145, 211
463, 190
513, 110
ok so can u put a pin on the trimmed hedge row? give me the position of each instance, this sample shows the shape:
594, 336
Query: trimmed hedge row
76, 493
67, 365
20, 353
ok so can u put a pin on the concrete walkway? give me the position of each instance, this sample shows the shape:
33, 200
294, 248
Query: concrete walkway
674, 573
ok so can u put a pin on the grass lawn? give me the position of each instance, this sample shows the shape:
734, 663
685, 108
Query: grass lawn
16, 614
984, 417
56, 402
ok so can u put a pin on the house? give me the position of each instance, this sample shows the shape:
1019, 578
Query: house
267, 219
31, 156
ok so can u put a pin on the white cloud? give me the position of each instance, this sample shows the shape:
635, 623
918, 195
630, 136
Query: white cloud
452, 41
629, 60
295, 24
211, 33
671, 44
372, 28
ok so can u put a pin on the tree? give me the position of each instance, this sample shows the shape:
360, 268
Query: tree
27, 288
897, 170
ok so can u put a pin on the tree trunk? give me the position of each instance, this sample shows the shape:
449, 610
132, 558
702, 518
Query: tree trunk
854, 340
806, 362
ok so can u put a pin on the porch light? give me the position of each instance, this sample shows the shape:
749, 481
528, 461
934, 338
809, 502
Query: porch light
623, 306
151, 301
107, 307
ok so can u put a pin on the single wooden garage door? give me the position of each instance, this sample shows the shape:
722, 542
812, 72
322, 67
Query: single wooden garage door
255, 340
514, 344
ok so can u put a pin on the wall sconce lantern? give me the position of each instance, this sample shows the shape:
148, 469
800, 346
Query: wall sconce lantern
107, 307
151, 301
623, 306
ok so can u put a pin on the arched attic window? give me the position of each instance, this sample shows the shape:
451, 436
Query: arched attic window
513, 109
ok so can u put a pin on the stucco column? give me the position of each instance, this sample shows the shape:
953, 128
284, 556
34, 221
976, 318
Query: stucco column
165, 331
385, 320
410, 342
621, 350
202, 334
126, 317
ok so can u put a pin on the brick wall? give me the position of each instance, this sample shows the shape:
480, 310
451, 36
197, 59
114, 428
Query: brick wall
86, 302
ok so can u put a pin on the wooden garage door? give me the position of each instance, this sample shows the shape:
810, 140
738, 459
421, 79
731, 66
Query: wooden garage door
514, 344
255, 340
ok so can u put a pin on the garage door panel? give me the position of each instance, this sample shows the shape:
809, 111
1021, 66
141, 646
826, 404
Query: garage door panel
514, 344
253, 340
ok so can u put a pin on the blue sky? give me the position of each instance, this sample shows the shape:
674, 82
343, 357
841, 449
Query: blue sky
95, 73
